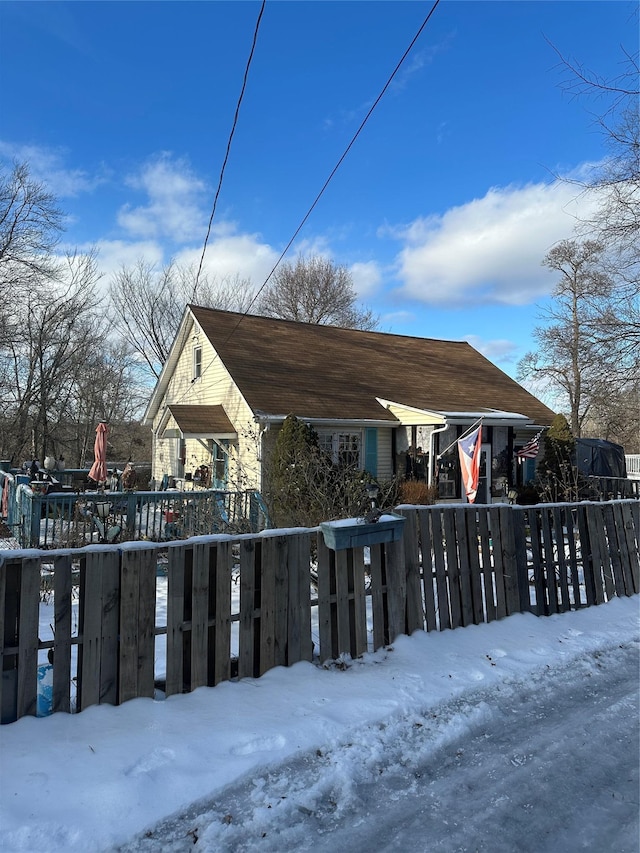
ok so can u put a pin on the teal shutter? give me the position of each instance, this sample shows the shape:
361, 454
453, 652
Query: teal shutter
529, 470
371, 451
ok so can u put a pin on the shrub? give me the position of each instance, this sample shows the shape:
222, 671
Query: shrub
302, 486
416, 492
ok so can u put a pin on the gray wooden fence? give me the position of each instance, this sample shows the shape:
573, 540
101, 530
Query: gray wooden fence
298, 600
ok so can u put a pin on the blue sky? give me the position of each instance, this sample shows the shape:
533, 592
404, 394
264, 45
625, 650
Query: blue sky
445, 205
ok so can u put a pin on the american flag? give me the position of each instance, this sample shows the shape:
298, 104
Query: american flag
531, 448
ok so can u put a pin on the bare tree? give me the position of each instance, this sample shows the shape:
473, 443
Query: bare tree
570, 358
615, 185
617, 178
57, 332
601, 383
315, 290
30, 225
147, 305
59, 369
615, 416
30, 228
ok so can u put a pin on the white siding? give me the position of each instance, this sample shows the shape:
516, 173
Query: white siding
214, 387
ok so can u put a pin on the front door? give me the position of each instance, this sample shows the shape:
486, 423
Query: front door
484, 481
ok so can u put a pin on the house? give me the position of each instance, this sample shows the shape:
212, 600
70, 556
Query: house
392, 403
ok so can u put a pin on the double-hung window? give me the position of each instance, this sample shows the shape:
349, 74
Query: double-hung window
343, 448
197, 362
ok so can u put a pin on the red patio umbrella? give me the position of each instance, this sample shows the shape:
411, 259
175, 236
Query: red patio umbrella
98, 470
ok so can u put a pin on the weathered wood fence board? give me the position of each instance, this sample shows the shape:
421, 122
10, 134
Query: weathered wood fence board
378, 597
498, 560
28, 636
247, 643
62, 598
174, 675
99, 628
220, 632
455, 566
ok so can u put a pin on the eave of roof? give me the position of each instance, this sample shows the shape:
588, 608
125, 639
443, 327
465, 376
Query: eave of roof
168, 368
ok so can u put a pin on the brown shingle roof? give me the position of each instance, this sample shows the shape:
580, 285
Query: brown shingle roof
315, 371
197, 420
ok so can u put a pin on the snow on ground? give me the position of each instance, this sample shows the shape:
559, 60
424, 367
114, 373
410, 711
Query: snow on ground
521, 734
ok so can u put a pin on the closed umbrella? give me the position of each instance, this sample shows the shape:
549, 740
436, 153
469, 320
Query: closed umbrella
98, 471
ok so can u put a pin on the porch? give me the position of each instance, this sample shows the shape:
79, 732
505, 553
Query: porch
72, 519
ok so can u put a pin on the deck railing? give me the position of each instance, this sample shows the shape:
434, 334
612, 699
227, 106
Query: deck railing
236, 606
633, 465
614, 488
74, 519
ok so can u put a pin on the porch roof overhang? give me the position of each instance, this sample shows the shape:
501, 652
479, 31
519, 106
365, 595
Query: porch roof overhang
405, 415
412, 416
489, 417
200, 422
267, 420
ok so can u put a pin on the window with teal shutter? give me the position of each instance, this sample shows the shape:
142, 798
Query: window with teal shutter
371, 451
529, 470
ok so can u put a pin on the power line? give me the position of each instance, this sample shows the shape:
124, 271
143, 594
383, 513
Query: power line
226, 156
338, 164
324, 186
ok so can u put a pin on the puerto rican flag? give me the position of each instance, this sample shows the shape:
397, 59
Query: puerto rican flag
469, 451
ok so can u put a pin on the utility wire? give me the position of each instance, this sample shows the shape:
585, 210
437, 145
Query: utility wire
338, 164
226, 156
324, 186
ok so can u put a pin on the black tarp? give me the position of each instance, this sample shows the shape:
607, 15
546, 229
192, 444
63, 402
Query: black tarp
596, 457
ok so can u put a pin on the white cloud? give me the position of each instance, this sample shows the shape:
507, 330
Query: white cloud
498, 350
233, 254
366, 278
114, 254
176, 202
46, 167
490, 249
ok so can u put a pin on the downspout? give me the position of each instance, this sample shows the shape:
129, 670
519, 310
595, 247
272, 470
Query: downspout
262, 429
432, 461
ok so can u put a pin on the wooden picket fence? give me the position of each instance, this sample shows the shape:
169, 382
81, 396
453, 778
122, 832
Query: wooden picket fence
298, 600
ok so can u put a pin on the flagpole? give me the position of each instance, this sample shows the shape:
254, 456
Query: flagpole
460, 437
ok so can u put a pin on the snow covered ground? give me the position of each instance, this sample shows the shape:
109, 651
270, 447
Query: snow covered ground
517, 735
